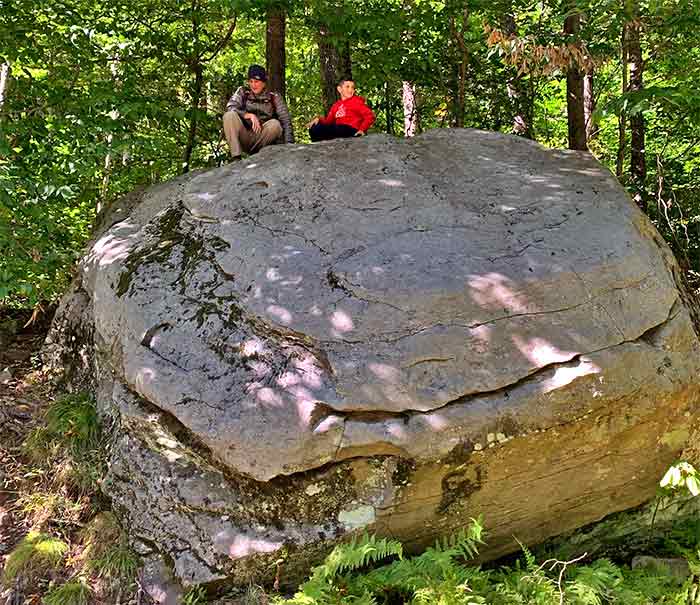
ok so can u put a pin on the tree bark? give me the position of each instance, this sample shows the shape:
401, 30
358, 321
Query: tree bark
638, 168
335, 63
574, 92
197, 85
275, 52
107, 172
411, 122
196, 63
388, 114
520, 101
5, 73
589, 103
622, 118
458, 37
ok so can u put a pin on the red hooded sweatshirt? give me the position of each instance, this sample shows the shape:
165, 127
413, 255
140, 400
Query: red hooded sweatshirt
351, 112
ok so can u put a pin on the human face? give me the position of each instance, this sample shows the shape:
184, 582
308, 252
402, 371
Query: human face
346, 89
257, 86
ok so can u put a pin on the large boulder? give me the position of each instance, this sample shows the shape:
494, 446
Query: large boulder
383, 335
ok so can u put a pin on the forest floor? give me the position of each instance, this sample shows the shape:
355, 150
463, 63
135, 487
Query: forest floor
25, 392
59, 542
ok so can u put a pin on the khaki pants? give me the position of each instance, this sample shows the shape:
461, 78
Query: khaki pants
240, 138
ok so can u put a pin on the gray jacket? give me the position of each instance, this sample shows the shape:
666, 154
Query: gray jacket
266, 106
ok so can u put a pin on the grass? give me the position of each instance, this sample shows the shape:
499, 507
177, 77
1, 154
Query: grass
47, 506
106, 552
71, 425
116, 563
196, 595
35, 556
74, 592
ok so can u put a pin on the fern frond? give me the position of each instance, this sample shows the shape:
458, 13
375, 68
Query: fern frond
530, 561
366, 598
462, 544
593, 584
360, 553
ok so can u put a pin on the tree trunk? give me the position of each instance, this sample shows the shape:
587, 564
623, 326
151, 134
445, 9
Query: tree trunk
458, 37
520, 100
335, 62
5, 73
589, 103
388, 114
638, 168
275, 53
411, 122
622, 118
107, 172
574, 93
194, 112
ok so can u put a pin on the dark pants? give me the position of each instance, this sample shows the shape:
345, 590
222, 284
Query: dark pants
326, 132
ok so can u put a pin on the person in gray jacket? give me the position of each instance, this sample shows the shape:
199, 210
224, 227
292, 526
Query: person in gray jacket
256, 117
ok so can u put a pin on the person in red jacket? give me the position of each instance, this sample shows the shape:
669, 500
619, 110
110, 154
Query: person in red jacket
349, 117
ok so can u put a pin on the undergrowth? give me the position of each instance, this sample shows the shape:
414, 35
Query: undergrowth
35, 556
73, 592
369, 571
75, 551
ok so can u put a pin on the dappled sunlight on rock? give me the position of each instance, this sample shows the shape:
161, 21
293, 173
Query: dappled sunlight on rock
341, 322
482, 333
237, 544
260, 368
391, 182
251, 347
144, 378
280, 314
436, 422
329, 423
495, 291
268, 396
305, 407
273, 274
384, 372
540, 352
566, 374
110, 249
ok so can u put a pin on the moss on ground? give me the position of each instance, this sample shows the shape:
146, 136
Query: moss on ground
34, 557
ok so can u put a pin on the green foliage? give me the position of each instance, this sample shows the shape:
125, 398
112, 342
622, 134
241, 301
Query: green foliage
118, 562
68, 452
433, 577
357, 554
353, 574
106, 551
71, 425
75, 592
103, 97
196, 595
33, 557
323, 585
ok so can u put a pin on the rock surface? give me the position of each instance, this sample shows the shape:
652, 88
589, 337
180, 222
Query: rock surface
387, 335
